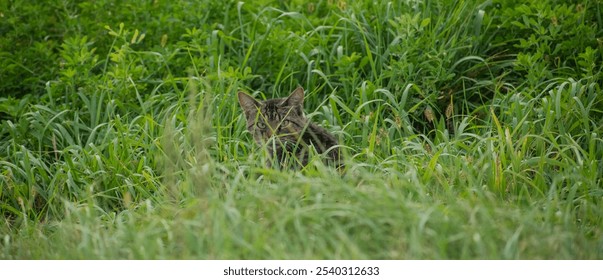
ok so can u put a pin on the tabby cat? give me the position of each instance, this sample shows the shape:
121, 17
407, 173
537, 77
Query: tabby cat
281, 126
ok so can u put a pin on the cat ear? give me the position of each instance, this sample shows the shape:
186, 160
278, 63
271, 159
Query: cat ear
248, 103
296, 98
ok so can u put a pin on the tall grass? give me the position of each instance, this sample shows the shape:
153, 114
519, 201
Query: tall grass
466, 136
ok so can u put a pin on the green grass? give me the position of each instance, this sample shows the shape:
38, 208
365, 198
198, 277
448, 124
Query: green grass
473, 130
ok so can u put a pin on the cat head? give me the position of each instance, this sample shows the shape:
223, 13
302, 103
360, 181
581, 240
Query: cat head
280, 118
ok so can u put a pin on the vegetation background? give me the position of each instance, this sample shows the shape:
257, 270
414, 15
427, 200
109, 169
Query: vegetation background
473, 129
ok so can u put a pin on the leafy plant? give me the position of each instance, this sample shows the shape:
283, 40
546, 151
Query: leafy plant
471, 130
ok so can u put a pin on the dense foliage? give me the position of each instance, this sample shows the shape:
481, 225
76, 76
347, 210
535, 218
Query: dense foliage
473, 129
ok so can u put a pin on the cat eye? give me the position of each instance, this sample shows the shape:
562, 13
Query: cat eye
261, 125
285, 123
